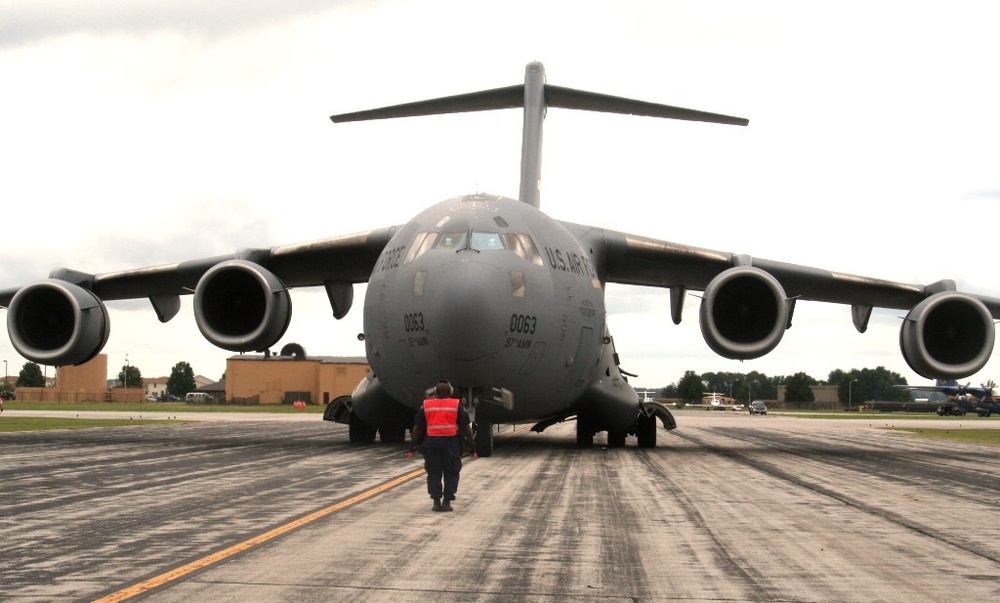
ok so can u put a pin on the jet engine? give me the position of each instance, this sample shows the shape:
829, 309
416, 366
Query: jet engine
744, 313
949, 335
57, 323
242, 307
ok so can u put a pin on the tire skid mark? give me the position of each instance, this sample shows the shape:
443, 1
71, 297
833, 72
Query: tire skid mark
759, 587
850, 501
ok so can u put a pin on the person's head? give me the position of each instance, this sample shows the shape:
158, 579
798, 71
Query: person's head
443, 389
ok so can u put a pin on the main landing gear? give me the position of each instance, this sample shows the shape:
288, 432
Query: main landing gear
644, 428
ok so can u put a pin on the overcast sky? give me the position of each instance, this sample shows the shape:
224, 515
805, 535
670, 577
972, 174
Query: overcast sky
141, 133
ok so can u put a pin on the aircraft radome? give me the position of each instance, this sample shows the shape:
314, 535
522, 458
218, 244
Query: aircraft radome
503, 301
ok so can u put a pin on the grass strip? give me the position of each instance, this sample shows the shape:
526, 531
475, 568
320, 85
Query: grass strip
154, 407
8, 423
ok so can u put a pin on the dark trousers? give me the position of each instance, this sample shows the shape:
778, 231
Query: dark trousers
442, 463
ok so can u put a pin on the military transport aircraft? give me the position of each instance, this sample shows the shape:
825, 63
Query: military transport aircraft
960, 399
505, 302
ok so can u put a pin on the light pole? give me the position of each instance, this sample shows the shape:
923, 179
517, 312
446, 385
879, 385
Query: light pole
126, 377
5, 379
850, 393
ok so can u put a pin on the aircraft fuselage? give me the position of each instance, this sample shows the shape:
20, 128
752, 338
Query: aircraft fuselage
492, 295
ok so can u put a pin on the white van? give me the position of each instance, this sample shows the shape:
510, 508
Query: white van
197, 397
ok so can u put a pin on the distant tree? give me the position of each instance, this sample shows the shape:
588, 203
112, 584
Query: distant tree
798, 390
742, 385
181, 380
758, 386
130, 376
690, 388
849, 391
669, 391
880, 384
869, 384
30, 376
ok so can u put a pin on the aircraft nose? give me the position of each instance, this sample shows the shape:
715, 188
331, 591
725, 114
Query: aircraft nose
469, 301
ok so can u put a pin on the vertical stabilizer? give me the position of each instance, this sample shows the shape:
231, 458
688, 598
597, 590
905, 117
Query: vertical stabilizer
531, 137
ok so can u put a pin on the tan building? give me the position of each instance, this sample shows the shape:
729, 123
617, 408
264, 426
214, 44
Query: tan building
825, 395
84, 383
254, 379
285, 379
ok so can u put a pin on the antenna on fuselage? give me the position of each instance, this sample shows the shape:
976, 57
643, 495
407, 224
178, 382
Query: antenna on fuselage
535, 96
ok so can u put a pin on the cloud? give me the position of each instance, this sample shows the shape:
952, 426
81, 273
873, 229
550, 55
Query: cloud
24, 23
141, 133
984, 195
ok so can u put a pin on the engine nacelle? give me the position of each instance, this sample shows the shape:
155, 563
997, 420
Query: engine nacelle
949, 335
242, 307
744, 313
57, 323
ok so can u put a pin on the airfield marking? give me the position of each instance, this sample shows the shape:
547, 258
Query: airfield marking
208, 560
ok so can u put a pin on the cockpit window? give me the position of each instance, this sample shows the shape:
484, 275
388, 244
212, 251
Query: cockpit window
450, 240
524, 246
521, 244
421, 243
486, 241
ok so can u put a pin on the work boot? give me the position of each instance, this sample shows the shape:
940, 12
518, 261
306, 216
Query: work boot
437, 505
446, 506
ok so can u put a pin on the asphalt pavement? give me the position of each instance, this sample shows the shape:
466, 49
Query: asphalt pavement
282, 508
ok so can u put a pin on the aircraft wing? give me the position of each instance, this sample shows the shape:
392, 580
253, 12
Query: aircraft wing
748, 302
636, 260
951, 390
346, 259
241, 304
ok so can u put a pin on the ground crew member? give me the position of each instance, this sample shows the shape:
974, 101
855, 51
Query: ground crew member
440, 428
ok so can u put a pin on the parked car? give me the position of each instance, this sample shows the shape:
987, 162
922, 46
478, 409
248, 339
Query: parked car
950, 410
758, 408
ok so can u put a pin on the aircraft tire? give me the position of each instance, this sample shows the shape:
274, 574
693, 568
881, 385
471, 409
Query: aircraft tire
359, 432
616, 439
584, 433
484, 439
392, 434
646, 431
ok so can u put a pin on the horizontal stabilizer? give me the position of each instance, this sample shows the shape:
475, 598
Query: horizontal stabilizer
485, 100
568, 98
555, 96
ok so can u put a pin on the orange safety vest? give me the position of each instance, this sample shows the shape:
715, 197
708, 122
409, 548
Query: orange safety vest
442, 416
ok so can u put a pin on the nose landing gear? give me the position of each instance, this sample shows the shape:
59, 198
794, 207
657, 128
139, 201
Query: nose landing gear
484, 438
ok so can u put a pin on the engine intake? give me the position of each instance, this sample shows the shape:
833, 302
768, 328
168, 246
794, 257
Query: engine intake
57, 323
744, 313
949, 335
242, 307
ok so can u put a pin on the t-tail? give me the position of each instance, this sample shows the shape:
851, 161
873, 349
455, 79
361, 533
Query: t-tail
535, 96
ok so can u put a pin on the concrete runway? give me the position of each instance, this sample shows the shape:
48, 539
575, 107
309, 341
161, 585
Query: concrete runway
728, 508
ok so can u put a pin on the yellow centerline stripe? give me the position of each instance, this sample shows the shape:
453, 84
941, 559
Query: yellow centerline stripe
174, 574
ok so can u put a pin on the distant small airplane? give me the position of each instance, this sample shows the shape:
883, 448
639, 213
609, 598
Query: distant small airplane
717, 401
495, 296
